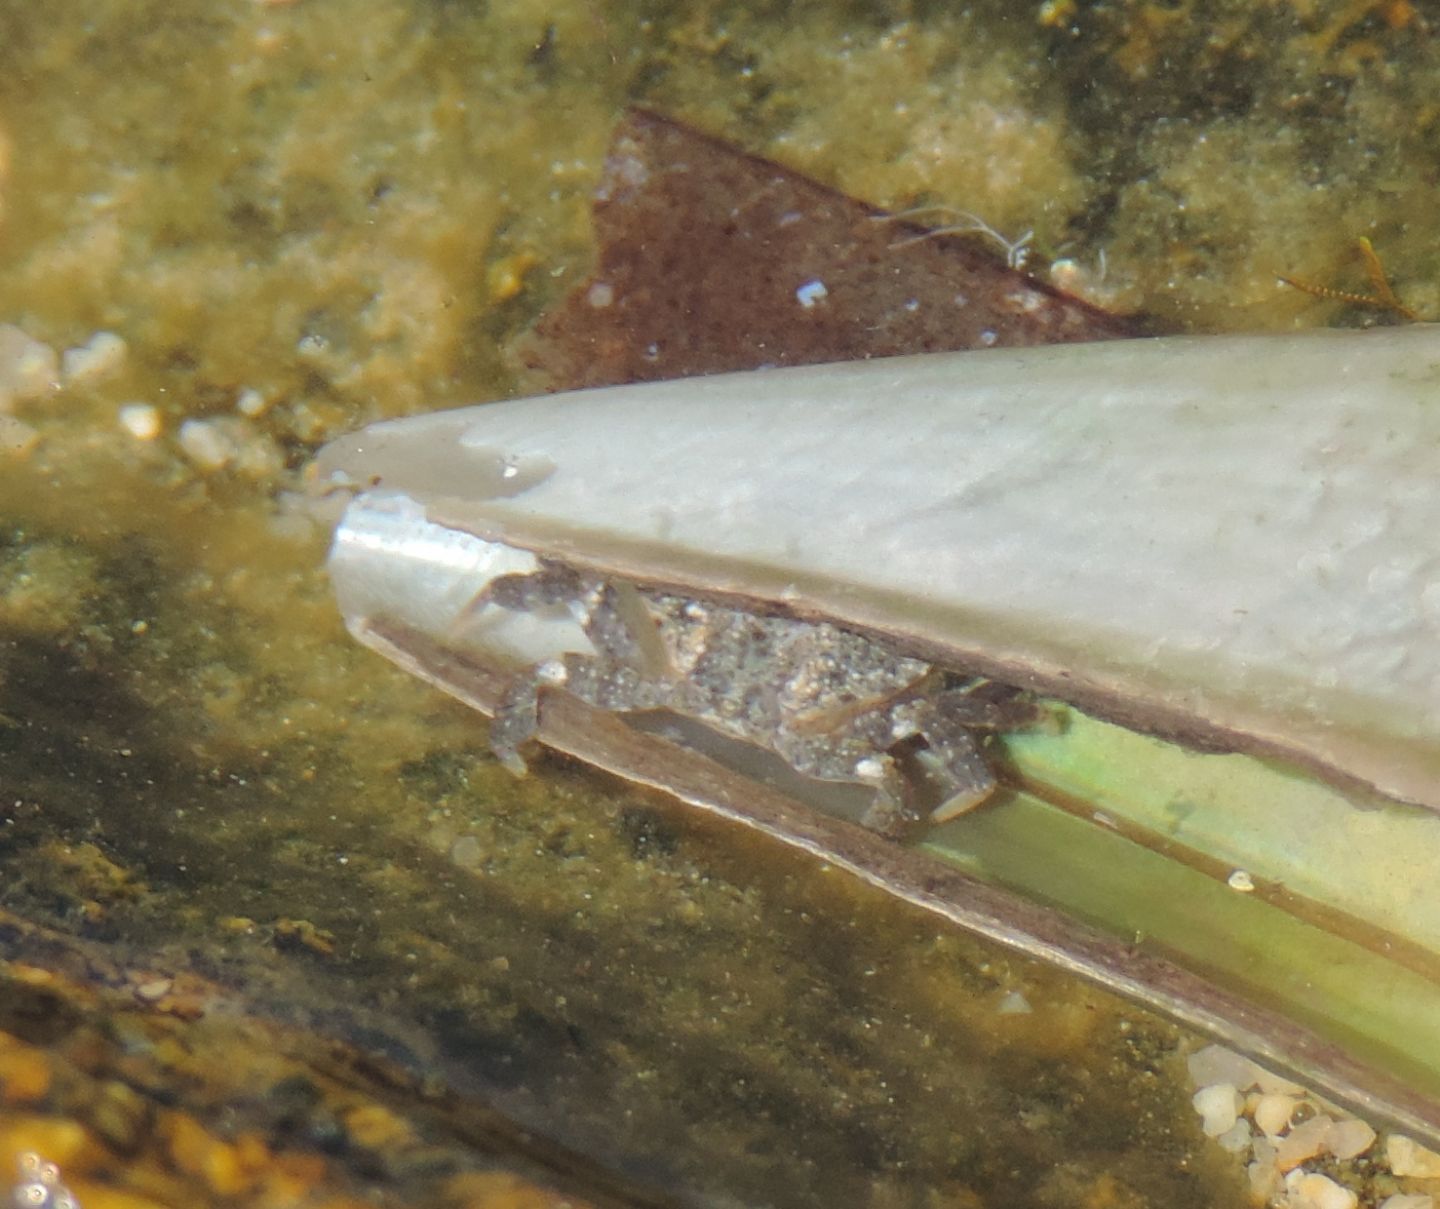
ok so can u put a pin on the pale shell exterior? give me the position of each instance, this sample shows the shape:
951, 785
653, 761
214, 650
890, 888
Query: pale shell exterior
1235, 540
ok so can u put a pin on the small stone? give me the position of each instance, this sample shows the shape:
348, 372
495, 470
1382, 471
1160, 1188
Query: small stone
1272, 1113
229, 442
199, 1154
375, 1127
1014, 1004
467, 853
155, 988
811, 293
1409, 1200
207, 443
28, 369
140, 420
1236, 1139
1264, 1180
1241, 880
291, 935
1216, 1064
250, 402
1310, 1190
1350, 1139
1407, 1157
120, 1115
506, 277
1303, 1142
100, 357
24, 1074
1219, 1107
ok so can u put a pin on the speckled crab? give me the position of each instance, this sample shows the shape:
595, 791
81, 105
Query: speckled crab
834, 704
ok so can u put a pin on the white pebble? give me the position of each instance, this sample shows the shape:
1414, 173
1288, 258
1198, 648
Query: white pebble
1264, 1180
1219, 1106
810, 293
1350, 1139
1407, 1157
1241, 880
1065, 273
1303, 1142
600, 295
140, 420
250, 402
28, 369
208, 443
1310, 1190
467, 853
1272, 1113
1014, 1004
17, 438
98, 358
1236, 1139
1409, 1200
230, 442
1216, 1064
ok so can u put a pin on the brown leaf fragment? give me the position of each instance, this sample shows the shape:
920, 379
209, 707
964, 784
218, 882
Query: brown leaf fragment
713, 259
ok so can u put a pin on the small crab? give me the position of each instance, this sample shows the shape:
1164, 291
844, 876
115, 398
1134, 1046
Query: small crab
832, 703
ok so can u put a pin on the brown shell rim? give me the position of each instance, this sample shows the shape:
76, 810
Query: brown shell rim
607, 743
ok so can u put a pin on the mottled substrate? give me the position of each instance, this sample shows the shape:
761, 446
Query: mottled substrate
1178, 156
691, 1004
92, 1053
300, 217
1301, 1151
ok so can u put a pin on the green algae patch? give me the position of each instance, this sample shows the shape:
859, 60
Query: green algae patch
44, 586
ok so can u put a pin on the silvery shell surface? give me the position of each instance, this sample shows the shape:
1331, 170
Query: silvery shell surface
1234, 540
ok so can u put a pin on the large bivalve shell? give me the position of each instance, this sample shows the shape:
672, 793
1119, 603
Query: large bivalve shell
1228, 542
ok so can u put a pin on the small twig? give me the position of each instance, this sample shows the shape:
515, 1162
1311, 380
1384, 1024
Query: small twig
1383, 298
